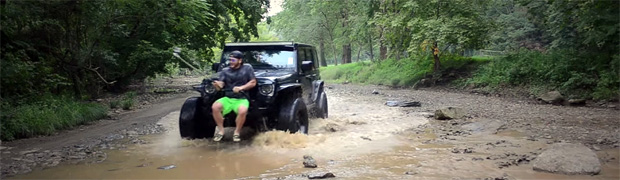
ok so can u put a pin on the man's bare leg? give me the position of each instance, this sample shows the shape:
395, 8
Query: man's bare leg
216, 110
241, 113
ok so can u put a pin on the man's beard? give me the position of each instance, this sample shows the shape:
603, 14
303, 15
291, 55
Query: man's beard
236, 66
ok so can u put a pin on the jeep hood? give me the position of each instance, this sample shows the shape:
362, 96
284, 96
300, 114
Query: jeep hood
272, 75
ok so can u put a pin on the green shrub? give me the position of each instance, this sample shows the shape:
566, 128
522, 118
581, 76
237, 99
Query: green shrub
47, 116
391, 72
114, 104
575, 75
127, 104
128, 100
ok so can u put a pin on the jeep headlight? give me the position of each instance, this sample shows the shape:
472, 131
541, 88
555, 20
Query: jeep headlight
266, 89
209, 88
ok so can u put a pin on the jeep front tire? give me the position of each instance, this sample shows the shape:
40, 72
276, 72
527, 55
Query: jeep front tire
293, 116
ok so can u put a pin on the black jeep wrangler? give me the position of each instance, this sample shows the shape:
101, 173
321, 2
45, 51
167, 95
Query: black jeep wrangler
289, 89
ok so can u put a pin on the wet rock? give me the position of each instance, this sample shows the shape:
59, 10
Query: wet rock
449, 113
553, 97
321, 175
374, 91
357, 123
411, 173
28, 151
167, 167
477, 159
464, 151
332, 127
365, 138
576, 102
145, 164
427, 114
485, 126
309, 162
115, 169
402, 103
132, 133
565, 158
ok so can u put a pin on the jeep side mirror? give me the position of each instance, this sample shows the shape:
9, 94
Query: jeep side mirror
306, 66
215, 67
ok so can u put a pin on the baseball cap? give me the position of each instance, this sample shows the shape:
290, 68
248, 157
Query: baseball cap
236, 54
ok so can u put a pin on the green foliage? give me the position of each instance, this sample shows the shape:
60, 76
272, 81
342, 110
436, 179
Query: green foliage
128, 101
114, 104
47, 116
390, 72
566, 71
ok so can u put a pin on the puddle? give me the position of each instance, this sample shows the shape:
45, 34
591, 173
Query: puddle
370, 141
511, 133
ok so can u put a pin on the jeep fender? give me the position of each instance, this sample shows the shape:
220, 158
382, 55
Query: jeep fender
289, 89
317, 89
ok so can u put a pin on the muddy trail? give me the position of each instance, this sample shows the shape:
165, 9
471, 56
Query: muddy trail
498, 138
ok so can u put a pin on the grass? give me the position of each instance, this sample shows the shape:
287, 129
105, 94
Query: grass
47, 116
574, 75
398, 73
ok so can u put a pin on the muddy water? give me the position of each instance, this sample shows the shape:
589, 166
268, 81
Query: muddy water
362, 139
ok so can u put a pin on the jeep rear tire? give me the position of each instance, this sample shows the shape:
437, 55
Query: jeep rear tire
293, 117
196, 120
322, 109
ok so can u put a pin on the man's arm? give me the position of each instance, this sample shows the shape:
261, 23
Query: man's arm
219, 84
249, 85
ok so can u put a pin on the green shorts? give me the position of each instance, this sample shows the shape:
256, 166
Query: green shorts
232, 104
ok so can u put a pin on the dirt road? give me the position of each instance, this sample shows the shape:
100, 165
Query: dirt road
362, 138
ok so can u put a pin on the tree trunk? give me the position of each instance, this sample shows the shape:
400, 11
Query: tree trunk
358, 54
436, 58
372, 55
346, 53
382, 51
322, 53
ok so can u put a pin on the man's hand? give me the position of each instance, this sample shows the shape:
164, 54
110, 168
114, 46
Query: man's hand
218, 85
237, 89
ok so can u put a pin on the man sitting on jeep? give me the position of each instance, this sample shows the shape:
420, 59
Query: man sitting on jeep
234, 80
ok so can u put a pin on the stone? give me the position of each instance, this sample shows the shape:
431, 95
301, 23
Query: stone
411, 173
365, 138
332, 127
427, 114
132, 133
402, 103
167, 167
374, 91
576, 102
449, 113
309, 162
553, 97
28, 151
321, 176
566, 158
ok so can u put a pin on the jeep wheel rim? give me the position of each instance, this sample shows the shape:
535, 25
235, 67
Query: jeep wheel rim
300, 127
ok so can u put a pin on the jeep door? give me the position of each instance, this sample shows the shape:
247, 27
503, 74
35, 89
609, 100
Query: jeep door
307, 54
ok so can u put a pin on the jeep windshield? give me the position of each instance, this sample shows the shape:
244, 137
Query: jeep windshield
263, 58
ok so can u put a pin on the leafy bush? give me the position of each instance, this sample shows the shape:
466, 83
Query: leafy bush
391, 72
128, 100
572, 74
47, 116
127, 104
114, 104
